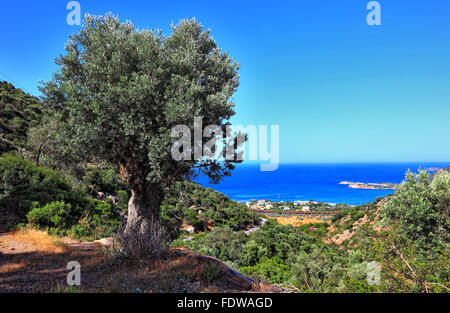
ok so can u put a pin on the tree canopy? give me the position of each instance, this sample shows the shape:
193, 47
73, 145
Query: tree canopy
120, 90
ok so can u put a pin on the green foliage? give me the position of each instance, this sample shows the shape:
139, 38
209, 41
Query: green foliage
279, 254
98, 221
273, 269
54, 214
317, 230
421, 209
47, 199
414, 248
22, 184
105, 180
18, 112
122, 87
253, 253
122, 202
191, 218
338, 216
49, 141
324, 269
222, 243
406, 266
201, 207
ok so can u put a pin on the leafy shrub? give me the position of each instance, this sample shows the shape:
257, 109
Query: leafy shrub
421, 208
273, 269
45, 198
54, 214
356, 215
191, 218
338, 216
222, 243
320, 270
98, 221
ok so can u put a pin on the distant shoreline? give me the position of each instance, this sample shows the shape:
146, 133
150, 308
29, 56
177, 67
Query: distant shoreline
317, 182
358, 185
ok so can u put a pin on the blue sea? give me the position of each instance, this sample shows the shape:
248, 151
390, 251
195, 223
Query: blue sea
319, 182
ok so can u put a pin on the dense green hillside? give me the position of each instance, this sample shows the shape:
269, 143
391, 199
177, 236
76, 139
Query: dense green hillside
18, 112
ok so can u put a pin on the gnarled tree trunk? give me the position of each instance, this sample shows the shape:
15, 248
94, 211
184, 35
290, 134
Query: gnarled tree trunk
143, 235
143, 206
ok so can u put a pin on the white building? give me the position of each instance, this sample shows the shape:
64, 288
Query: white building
299, 202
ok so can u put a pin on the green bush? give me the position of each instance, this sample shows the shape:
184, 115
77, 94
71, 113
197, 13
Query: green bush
421, 209
45, 198
273, 269
55, 214
96, 221
22, 184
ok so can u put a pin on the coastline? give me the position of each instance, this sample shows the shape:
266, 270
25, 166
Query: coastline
359, 185
320, 182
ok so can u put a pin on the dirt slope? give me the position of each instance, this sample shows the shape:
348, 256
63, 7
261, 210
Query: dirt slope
32, 261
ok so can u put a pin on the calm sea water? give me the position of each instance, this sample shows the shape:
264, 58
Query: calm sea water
319, 182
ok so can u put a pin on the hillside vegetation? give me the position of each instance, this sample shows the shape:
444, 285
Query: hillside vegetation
407, 233
18, 112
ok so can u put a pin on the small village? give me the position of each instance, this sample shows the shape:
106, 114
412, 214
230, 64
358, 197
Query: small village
297, 212
309, 206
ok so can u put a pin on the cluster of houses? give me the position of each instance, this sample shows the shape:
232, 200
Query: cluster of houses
269, 205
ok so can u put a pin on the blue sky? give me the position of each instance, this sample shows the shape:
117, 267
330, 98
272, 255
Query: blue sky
341, 90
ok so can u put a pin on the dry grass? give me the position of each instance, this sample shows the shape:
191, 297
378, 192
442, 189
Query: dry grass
294, 221
144, 240
32, 261
31, 239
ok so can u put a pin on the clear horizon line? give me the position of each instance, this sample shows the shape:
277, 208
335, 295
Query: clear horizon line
343, 162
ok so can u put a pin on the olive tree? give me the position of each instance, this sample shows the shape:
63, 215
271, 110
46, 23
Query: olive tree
420, 208
120, 90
